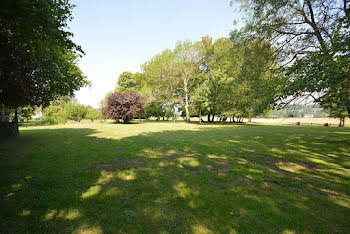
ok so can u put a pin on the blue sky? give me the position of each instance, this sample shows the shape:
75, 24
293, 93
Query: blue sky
121, 35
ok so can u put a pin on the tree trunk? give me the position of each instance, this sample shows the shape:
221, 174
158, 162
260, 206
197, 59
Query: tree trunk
212, 119
342, 122
208, 117
200, 115
158, 116
186, 108
249, 120
186, 101
16, 122
174, 115
314, 26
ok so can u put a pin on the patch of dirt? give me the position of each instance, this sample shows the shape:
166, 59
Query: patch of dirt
97, 139
168, 153
119, 150
272, 184
221, 186
311, 167
260, 159
221, 162
120, 163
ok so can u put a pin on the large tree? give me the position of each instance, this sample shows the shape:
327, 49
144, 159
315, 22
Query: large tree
311, 39
38, 58
160, 86
187, 67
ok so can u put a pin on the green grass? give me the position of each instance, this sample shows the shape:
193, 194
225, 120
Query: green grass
175, 177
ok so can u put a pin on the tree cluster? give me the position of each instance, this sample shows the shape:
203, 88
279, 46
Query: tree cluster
226, 77
64, 109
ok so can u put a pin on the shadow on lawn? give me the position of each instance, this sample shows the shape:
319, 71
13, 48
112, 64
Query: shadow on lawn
213, 179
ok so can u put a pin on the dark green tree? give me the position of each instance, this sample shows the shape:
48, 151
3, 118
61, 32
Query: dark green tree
38, 57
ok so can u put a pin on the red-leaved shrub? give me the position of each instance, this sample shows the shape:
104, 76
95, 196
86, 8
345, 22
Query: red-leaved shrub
123, 106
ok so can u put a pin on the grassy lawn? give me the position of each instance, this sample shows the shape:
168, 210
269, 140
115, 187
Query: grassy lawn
175, 177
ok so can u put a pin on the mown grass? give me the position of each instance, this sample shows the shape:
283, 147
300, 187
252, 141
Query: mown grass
175, 177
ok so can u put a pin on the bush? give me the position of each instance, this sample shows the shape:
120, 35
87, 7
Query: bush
54, 114
75, 111
124, 106
93, 114
48, 121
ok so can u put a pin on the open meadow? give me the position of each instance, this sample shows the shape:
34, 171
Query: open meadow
165, 177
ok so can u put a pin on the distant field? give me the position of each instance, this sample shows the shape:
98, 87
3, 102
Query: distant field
307, 121
165, 177
293, 121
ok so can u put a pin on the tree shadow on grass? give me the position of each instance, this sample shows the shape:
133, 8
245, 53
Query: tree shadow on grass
235, 178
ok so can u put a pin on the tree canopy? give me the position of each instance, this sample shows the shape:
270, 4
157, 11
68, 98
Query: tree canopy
311, 41
38, 57
207, 77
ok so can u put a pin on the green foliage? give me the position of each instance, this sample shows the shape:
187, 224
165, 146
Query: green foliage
38, 61
212, 94
311, 41
26, 113
160, 85
126, 82
104, 102
93, 114
153, 109
54, 114
225, 77
49, 121
75, 111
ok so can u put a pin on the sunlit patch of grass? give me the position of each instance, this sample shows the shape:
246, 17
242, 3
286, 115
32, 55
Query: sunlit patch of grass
126, 175
216, 156
50, 215
200, 229
92, 191
183, 190
291, 167
16, 186
288, 232
113, 192
105, 177
9, 195
87, 229
25, 213
189, 161
69, 214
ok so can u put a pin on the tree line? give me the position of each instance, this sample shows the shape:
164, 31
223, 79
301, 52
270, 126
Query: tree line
228, 77
289, 52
